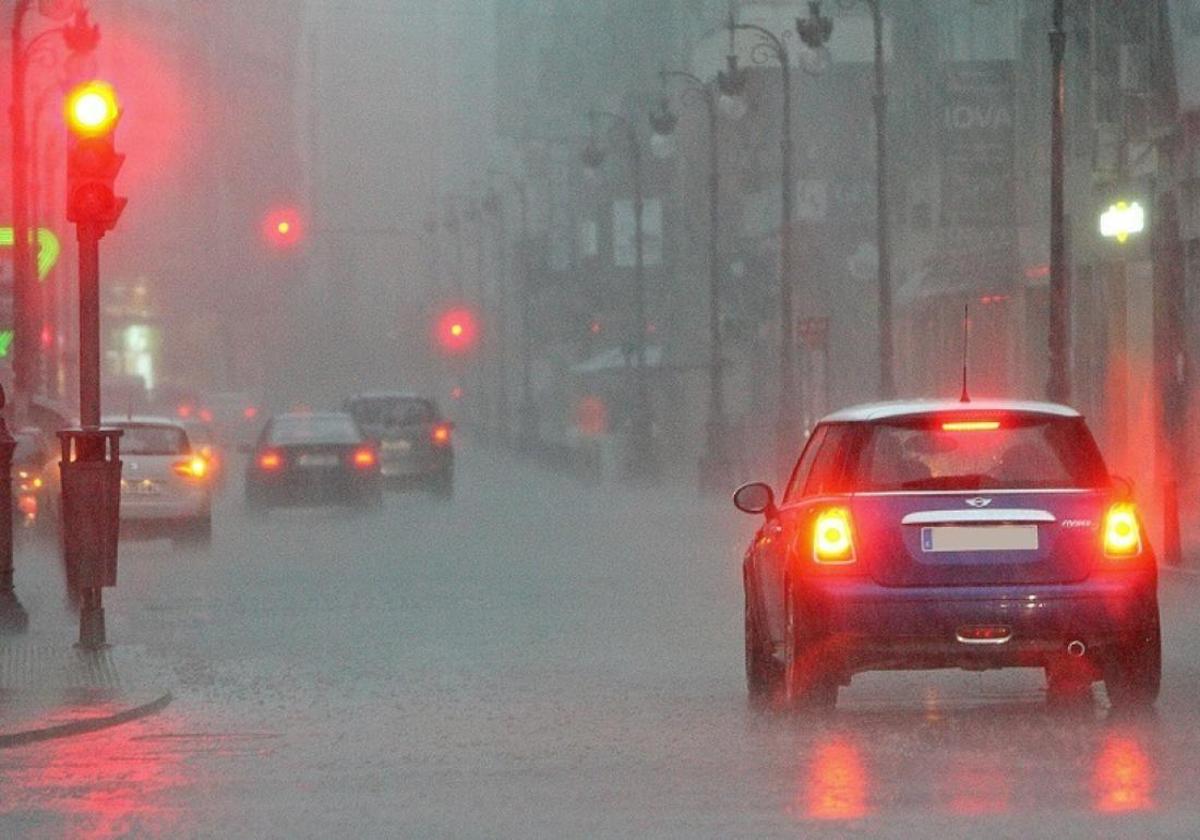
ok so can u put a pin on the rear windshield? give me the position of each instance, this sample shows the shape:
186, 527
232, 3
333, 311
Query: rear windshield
392, 411
315, 429
1006, 452
154, 440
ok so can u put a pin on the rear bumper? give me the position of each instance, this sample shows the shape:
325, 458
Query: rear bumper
168, 507
867, 626
415, 465
314, 488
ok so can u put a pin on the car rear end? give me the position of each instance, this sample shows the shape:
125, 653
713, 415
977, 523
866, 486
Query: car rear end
976, 540
415, 443
165, 484
315, 459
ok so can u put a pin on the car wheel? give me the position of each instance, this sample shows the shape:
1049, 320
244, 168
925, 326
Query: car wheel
764, 675
1133, 672
195, 533
808, 681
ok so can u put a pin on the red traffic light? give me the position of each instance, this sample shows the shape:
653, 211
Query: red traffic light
456, 331
283, 227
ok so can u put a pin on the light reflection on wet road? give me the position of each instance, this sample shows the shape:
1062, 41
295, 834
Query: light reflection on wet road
554, 663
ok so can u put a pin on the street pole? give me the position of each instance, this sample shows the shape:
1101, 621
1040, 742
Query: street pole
786, 441
91, 613
642, 462
887, 383
714, 462
529, 411
1058, 387
23, 343
501, 265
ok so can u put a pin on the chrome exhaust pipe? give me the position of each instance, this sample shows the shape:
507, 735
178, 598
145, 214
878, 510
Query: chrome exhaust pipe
1076, 648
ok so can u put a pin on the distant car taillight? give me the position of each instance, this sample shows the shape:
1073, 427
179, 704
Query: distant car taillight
364, 458
1122, 531
193, 467
440, 435
270, 461
833, 541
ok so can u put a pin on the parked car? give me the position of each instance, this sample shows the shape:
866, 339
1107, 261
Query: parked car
416, 444
166, 488
313, 458
936, 534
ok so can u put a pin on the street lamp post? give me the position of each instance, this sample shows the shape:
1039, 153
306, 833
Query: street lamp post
80, 37
641, 462
1058, 388
815, 31
887, 381
714, 462
494, 207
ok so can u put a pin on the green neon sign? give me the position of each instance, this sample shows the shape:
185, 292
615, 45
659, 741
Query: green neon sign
47, 253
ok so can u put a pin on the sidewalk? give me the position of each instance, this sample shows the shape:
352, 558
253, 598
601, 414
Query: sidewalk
54, 690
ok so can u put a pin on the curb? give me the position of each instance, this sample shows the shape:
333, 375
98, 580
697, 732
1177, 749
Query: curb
82, 727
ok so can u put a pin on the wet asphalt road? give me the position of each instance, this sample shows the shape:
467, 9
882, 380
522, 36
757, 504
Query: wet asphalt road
543, 659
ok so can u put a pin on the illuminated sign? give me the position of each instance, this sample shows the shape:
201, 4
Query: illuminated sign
1121, 220
47, 252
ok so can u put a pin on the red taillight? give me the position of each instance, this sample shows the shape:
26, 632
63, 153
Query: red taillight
1122, 531
250, 412
833, 542
440, 435
364, 458
270, 461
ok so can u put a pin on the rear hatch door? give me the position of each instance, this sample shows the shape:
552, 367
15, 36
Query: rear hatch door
964, 539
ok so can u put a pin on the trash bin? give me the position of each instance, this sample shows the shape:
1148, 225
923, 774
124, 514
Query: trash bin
91, 499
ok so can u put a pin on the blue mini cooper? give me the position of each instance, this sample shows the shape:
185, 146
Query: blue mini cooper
942, 534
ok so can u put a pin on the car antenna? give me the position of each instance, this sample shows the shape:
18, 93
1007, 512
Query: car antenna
965, 397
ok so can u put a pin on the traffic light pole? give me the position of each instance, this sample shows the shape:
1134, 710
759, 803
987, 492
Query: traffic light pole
91, 611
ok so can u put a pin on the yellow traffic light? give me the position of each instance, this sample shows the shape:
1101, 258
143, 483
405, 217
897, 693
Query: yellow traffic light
92, 109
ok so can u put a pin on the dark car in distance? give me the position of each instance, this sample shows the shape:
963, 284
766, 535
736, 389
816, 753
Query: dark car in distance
415, 441
969, 535
312, 458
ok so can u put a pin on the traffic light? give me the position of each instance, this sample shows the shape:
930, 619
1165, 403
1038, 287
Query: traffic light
283, 227
456, 331
92, 113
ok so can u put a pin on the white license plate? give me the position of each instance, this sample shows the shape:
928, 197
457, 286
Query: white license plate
318, 460
396, 446
141, 488
980, 538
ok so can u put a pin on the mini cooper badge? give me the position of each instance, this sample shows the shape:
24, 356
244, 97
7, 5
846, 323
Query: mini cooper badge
979, 502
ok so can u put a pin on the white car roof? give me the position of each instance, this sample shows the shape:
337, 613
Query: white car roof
909, 408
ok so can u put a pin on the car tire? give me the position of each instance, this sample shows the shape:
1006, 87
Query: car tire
809, 683
764, 674
1133, 672
198, 532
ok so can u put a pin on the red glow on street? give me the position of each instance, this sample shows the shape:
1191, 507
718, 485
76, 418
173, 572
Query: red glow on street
1124, 778
836, 788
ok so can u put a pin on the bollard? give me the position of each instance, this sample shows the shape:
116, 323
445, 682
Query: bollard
13, 617
91, 498
1172, 550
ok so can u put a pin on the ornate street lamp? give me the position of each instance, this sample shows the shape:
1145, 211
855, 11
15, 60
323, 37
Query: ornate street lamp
814, 31
714, 462
80, 37
641, 461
